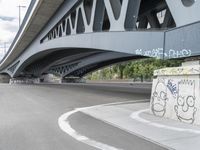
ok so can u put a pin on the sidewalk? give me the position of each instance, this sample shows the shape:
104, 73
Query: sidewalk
135, 118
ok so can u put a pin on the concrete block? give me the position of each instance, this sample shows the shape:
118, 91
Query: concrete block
4, 78
24, 81
73, 80
175, 94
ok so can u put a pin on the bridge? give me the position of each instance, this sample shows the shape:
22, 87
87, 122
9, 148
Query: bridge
75, 37
71, 38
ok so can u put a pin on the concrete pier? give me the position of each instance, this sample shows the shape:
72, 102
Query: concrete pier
4, 78
73, 80
175, 93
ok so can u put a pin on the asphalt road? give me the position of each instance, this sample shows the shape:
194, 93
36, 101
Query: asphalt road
29, 116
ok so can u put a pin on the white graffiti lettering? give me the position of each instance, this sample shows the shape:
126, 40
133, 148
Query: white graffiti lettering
159, 53
177, 54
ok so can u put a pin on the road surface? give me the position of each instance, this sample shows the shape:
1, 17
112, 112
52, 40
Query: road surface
29, 116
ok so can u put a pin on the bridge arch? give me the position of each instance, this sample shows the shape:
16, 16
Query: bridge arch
44, 61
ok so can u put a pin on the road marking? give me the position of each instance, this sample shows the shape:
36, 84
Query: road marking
66, 127
136, 116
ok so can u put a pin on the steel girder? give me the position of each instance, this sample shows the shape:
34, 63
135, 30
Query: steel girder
80, 68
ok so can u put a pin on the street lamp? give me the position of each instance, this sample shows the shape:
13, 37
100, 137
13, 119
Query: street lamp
20, 6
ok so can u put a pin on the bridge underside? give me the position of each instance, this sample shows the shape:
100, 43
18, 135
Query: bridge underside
84, 35
73, 62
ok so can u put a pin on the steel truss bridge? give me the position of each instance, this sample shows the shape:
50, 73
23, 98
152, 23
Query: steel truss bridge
75, 37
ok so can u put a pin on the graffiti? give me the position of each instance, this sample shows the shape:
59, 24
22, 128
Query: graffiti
178, 54
194, 70
172, 87
178, 71
180, 86
159, 98
159, 53
185, 108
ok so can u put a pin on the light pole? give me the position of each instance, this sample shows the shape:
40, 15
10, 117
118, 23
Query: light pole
20, 13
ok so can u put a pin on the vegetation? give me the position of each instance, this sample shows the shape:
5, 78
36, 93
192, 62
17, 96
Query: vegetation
140, 70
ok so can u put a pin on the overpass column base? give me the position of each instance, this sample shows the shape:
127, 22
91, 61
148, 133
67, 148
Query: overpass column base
50, 78
24, 81
4, 78
176, 93
72, 80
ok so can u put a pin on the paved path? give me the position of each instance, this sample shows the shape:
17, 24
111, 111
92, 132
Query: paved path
29, 117
135, 118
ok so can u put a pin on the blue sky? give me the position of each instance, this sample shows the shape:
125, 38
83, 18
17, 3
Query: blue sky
9, 18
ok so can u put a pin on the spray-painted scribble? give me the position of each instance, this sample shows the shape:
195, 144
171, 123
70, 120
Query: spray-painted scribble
178, 54
185, 108
172, 87
159, 98
157, 52
160, 53
178, 71
194, 70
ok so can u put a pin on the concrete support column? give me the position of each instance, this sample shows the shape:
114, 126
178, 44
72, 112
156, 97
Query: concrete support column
50, 78
176, 93
4, 78
73, 80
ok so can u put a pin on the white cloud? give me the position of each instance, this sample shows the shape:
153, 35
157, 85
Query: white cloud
9, 20
8, 30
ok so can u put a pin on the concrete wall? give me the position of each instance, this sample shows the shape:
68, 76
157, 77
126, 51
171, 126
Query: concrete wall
50, 78
175, 94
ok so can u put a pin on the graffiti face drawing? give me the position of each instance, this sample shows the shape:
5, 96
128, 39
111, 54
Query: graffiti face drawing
185, 108
159, 98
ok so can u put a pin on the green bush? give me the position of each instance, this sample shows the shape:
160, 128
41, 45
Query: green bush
136, 70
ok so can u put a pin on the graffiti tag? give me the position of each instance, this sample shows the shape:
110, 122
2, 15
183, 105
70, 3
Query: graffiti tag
159, 53
172, 87
177, 54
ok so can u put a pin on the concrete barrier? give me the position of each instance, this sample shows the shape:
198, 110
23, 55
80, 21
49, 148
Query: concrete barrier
176, 93
4, 78
24, 81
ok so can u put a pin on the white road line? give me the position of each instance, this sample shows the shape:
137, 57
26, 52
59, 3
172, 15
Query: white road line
66, 127
136, 116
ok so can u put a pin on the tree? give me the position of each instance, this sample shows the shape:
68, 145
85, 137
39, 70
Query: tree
142, 69
119, 69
